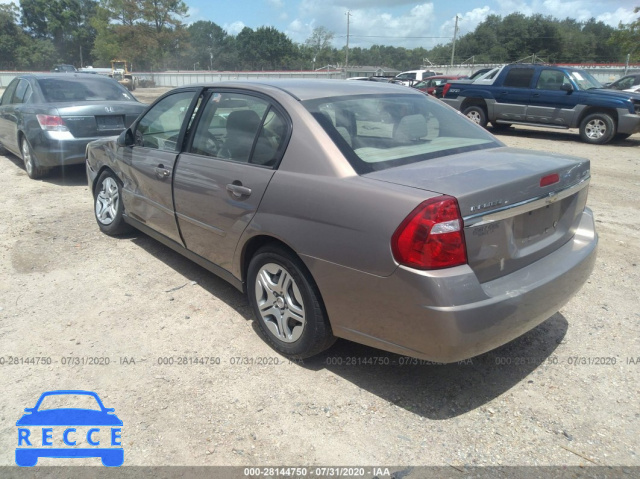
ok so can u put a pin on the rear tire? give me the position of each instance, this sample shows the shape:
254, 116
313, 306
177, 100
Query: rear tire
287, 304
476, 114
597, 128
107, 205
34, 171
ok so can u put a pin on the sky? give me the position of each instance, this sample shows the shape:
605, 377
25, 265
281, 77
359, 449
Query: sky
399, 23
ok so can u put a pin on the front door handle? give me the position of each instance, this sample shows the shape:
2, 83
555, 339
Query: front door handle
162, 172
238, 190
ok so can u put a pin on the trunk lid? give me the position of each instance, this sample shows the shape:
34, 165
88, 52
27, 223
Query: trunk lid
510, 221
94, 119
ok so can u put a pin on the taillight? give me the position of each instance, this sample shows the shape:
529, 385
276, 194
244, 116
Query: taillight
445, 89
51, 123
432, 236
549, 180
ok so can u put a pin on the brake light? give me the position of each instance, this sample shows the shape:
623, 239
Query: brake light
549, 179
445, 89
432, 236
51, 123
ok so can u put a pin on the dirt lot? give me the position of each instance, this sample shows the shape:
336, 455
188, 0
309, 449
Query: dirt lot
567, 393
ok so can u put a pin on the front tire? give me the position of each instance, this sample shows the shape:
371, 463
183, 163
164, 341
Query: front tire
34, 171
476, 114
287, 304
108, 205
597, 129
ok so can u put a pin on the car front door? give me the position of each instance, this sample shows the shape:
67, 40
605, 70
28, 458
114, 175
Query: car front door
553, 101
512, 98
148, 165
220, 181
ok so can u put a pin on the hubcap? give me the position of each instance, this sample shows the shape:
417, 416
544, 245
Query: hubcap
107, 201
280, 302
26, 157
474, 116
595, 129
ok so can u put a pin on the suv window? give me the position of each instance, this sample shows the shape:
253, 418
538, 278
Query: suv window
519, 77
552, 80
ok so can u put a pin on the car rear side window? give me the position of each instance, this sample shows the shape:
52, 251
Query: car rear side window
7, 98
376, 132
519, 78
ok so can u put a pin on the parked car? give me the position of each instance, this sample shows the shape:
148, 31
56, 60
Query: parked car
411, 77
48, 119
64, 68
626, 83
430, 84
549, 96
353, 209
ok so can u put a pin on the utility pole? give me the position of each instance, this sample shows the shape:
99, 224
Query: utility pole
346, 61
455, 34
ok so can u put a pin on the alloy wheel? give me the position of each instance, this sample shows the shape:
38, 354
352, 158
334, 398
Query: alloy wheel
280, 302
107, 201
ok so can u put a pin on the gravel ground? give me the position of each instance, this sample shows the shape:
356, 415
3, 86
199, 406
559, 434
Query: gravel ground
566, 393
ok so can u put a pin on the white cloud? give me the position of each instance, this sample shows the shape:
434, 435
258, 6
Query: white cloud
621, 15
276, 3
368, 26
234, 28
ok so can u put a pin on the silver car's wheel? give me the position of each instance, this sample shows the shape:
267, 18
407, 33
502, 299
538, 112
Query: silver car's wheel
30, 162
287, 304
597, 128
107, 201
280, 302
108, 205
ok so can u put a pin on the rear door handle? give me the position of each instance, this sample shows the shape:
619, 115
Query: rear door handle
162, 172
238, 190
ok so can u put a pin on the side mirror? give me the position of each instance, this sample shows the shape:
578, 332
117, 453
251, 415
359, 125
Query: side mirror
29, 409
566, 87
125, 138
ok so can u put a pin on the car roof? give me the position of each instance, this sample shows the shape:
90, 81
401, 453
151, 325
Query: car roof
308, 89
57, 76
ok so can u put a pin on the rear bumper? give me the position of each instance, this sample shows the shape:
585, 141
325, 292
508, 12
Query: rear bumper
447, 315
59, 148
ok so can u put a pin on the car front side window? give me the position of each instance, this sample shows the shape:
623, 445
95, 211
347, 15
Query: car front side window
161, 125
229, 125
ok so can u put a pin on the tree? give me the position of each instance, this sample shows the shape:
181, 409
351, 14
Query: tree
319, 45
65, 22
208, 45
627, 37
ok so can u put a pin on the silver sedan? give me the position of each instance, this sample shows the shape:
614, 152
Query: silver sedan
358, 210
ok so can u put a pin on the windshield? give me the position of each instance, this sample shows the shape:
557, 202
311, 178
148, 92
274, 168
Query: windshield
584, 80
376, 132
92, 88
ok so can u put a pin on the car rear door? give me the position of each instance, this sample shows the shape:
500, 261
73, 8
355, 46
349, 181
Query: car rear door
148, 164
512, 98
219, 182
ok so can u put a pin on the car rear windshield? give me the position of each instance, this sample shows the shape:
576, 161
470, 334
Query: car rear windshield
376, 132
83, 89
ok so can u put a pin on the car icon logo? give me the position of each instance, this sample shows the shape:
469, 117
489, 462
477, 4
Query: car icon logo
69, 432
